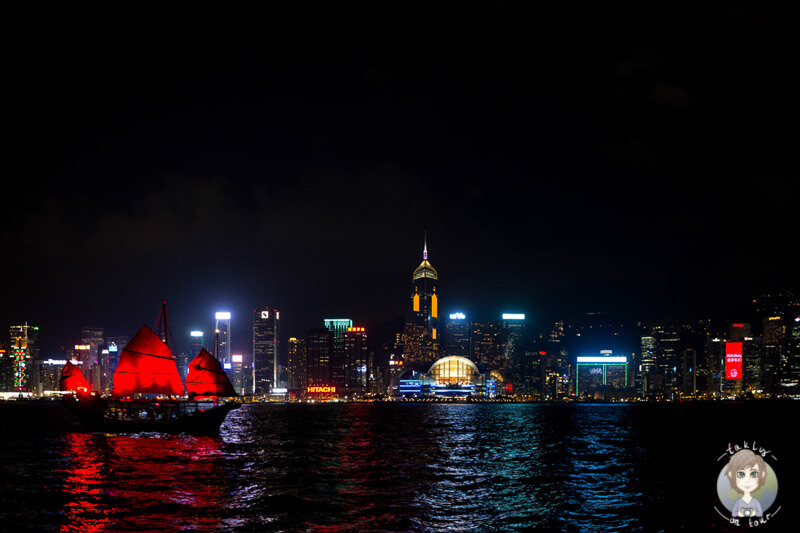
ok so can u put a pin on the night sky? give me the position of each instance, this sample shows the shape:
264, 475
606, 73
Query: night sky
637, 160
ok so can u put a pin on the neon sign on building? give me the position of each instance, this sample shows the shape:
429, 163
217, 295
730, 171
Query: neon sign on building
733, 360
318, 389
20, 372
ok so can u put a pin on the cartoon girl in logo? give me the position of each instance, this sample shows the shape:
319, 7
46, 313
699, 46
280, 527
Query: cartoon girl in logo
746, 472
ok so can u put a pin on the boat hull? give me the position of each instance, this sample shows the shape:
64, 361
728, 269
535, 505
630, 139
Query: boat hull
137, 416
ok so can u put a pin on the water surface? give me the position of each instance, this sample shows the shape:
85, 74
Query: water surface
388, 467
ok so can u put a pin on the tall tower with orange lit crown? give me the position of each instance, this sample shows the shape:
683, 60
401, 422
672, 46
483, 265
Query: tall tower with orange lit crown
422, 330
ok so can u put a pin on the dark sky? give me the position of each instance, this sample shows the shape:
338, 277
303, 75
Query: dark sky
636, 159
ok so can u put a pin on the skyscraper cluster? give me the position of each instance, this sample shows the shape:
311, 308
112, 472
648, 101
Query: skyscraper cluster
595, 357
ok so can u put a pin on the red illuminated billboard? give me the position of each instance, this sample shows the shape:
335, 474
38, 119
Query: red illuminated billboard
733, 360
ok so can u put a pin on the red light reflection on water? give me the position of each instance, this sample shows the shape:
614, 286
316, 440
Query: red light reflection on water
85, 477
143, 483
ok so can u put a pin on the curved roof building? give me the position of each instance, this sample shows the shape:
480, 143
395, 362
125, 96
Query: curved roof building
451, 376
454, 370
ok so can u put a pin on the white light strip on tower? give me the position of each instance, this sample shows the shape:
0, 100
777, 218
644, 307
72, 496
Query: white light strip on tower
601, 359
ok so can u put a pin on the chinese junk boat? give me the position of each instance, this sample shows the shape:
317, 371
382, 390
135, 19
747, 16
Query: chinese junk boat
149, 395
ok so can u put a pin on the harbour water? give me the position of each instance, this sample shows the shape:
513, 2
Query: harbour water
394, 467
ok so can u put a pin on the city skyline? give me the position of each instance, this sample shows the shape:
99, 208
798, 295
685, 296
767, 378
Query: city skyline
243, 340
665, 359
560, 165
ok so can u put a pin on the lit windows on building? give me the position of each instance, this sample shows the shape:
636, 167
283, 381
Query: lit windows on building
595, 376
266, 328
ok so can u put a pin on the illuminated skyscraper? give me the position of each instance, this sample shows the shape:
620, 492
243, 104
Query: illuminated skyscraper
487, 342
457, 335
22, 350
513, 340
237, 369
298, 366
196, 342
96, 366
338, 327
355, 360
266, 325
318, 356
223, 345
648, 381
422, 328
791, 371
668, 350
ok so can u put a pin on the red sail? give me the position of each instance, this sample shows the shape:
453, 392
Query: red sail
72, 379
206, 378
146, 365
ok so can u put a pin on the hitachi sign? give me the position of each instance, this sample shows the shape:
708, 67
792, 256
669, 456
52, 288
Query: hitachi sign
316, 389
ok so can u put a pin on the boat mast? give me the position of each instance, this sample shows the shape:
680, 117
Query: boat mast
166, 327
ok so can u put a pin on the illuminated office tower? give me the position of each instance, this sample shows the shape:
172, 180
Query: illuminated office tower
753, 365
23, 349
266, 326
47, 376
182, 359
648, 379
196, 342
6, 369
421, 331
93, 366
457, 335
298, 365
487, 342
92, 337
598, 376
688, 384
355, 360
115, 346
223, 345
732, 378
668, 344
237, 369
774, 330
715, 361
792, 368
318, 355
740, 330
513, 339
338, 327
774, 350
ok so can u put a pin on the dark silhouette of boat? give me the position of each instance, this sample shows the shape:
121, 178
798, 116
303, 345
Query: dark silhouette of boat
148, 393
